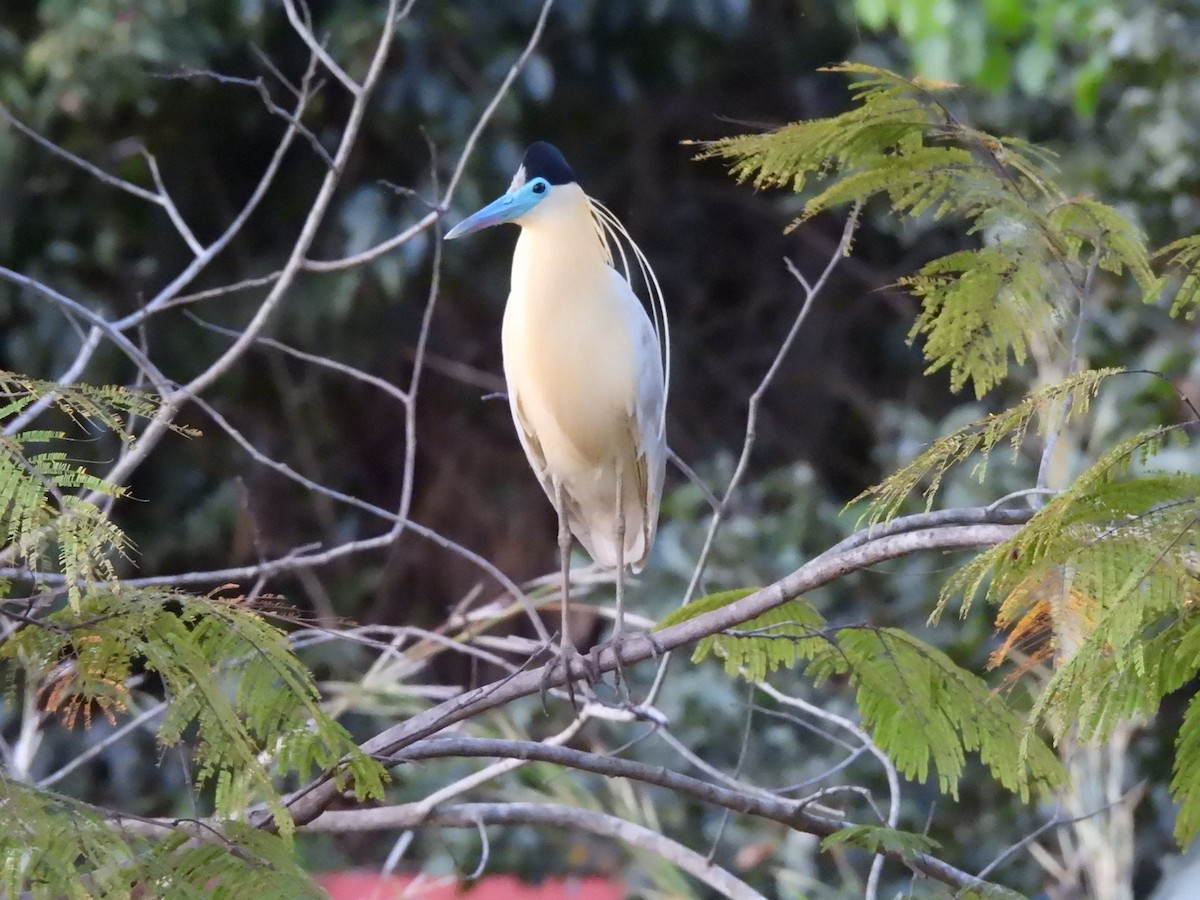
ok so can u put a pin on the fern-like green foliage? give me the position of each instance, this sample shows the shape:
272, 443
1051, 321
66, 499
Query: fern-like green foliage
41, 518
238, 696
924, 711
1098, 522
978, 439
1109, 568
1038, 247
44, 515
1113, 561
878, 839
1183, 256
54, 847
228, 673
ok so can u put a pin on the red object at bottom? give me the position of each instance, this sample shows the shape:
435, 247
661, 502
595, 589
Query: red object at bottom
372, 886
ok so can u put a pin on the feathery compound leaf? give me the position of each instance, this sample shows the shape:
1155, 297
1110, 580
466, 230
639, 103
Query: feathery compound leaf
227, 672
1089, 226
1185, 786
702, 605
44, 520
921, 709
928, 469
780, 637
879, 838
1087, 524
899, 141
981, 307
54, 847
978, 306
1184, 254
1131, 577
924, 711
103, 406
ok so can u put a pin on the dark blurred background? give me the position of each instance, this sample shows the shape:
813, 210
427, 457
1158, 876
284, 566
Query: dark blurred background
619, 86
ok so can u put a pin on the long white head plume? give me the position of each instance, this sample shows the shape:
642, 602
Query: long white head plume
613, 235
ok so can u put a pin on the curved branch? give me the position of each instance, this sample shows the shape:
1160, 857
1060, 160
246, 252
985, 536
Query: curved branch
307, 803
336, 265
792, 813
304, 30
470, 815
160, 423
969, 515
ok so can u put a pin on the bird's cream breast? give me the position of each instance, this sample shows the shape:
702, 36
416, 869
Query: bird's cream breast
568, 356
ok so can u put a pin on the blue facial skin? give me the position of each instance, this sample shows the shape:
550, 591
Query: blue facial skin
504, 209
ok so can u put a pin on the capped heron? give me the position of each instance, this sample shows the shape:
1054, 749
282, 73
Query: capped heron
586, 369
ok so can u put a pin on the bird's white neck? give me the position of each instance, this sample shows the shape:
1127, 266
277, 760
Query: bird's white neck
558, 241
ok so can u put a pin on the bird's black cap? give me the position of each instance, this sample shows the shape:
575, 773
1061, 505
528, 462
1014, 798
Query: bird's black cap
543, 160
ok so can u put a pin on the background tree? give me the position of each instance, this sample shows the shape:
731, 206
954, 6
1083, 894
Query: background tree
337, 457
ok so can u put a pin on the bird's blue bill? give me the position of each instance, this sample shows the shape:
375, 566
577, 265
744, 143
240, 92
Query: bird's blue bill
511, 206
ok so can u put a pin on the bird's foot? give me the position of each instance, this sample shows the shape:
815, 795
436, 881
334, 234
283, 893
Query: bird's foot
575, 667
616, 644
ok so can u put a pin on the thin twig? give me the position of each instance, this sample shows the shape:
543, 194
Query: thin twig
100, 746
95, 171
168, 204
70, 375
1085, 292
312, 799
303, 27
349, 262
323, 361
811, 292
174, 400
889, 768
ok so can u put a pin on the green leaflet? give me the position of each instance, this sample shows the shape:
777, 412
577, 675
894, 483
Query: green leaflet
779, 638
981, 307
102, 406
247, 706
44, 519
1009, 427
703, 605
1183, 256
877, 838
228, 672
1185, 786
1099, 516
1115, 560
923, 710
55, 847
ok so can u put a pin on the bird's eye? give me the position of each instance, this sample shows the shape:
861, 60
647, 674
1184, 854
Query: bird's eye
539, 187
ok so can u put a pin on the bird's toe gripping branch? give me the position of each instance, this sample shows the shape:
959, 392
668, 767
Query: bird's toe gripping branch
575, 666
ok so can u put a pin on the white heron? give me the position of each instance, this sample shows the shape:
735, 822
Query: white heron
587, 369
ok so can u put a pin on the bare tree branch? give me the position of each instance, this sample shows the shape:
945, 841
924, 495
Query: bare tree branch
469, 815
308, 802
426, 221
811, 292
95, 171
158, 426
303, 27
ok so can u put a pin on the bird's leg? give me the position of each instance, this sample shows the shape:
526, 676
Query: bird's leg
564, 562
567, 653
619, 622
